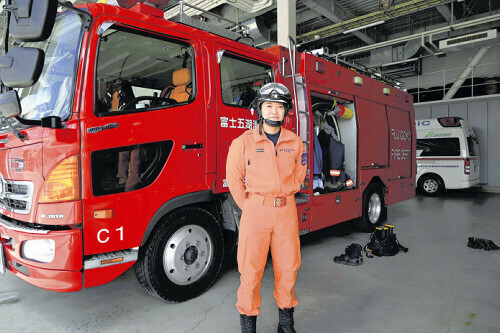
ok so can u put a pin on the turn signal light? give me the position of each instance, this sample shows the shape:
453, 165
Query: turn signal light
103, 214
63, 182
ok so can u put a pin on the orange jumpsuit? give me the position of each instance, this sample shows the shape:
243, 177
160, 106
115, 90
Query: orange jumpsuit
263, 180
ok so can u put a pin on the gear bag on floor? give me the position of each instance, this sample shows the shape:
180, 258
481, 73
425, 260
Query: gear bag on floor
383, 242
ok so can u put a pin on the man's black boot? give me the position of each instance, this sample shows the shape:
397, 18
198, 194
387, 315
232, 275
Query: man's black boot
286, 321
248, 323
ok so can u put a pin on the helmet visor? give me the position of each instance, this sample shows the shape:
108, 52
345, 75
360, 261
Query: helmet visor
275, 92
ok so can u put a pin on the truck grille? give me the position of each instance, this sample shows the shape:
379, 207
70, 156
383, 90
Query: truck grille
16, 196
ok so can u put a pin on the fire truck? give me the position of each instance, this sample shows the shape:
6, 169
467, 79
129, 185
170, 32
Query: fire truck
116, 124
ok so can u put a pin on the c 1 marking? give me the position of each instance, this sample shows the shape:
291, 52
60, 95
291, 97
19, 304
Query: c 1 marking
105, 238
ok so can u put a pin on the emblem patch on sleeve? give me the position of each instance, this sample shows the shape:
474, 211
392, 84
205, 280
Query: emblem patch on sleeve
304, 158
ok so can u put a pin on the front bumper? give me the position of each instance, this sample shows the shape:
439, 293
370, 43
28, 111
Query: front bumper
63, 273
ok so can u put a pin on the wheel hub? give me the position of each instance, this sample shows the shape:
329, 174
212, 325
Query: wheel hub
190, 255
430, 186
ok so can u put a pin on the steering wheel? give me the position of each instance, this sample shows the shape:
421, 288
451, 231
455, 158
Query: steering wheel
160, 100
189, 86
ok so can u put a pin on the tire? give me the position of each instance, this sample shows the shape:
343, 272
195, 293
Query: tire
431, 185
374, 211
183, 257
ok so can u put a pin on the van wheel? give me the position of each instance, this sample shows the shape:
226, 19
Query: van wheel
431, 185
183, 257
374, 209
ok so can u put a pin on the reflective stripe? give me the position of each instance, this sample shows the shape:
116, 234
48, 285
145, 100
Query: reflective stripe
334, 172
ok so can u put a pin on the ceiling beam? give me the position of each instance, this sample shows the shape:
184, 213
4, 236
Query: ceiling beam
466, 72
446, 12
322, 8
410, 7
424, 34
306, 15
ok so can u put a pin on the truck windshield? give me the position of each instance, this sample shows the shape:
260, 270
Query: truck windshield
53, 93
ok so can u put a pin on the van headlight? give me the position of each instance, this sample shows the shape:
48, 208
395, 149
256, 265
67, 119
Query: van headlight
41, 250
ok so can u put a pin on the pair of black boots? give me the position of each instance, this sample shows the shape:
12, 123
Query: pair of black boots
482, 244
249, 323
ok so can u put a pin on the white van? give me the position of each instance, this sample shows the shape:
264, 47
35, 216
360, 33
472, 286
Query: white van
447, 155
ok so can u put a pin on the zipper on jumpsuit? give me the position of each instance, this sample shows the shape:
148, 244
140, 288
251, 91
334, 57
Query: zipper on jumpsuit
276, 163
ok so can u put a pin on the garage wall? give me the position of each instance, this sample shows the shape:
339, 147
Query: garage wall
483, 114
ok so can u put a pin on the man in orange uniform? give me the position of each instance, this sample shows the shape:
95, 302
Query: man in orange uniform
264, 171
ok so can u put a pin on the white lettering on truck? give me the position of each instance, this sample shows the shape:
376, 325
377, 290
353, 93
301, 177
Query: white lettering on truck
400, 154
105, 238
401, 135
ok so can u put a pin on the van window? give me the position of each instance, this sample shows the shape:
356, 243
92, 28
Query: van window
473, 146
438, 147
241, 80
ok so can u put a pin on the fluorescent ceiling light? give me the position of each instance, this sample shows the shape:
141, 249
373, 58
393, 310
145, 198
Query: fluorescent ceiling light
364, 26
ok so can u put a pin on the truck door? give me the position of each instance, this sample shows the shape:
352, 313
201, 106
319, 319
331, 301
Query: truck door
143, 129
402, 157
239, 76
400, 142
373, 134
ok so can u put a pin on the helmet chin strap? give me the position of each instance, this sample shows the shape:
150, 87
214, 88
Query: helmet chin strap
271, 123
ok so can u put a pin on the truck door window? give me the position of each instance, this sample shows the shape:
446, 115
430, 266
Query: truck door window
129, 168
241, 79
137, 71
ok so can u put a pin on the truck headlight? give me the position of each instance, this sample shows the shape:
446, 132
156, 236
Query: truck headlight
41, 250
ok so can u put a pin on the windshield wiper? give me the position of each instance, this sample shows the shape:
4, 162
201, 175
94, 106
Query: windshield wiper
14, 130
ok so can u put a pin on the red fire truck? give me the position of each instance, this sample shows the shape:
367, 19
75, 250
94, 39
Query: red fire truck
114, 143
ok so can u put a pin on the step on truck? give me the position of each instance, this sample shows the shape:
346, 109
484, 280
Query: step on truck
115, 127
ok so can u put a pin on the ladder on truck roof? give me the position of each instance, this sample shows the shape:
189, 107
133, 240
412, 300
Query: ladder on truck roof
239, 34
362, 69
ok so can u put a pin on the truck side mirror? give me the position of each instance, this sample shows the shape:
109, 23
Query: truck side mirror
21, 66
25, 26
9, 104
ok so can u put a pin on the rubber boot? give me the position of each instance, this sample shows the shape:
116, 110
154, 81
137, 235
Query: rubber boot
248, 323
286, 321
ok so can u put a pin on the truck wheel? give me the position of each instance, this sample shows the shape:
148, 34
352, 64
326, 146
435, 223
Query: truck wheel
431, 185
183, 257
374, 209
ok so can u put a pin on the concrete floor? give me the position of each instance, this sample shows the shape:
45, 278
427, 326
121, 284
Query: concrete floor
440, 285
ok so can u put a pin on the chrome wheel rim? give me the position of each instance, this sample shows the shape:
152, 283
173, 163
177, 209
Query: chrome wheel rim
188, 254
374, 208
430, 185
